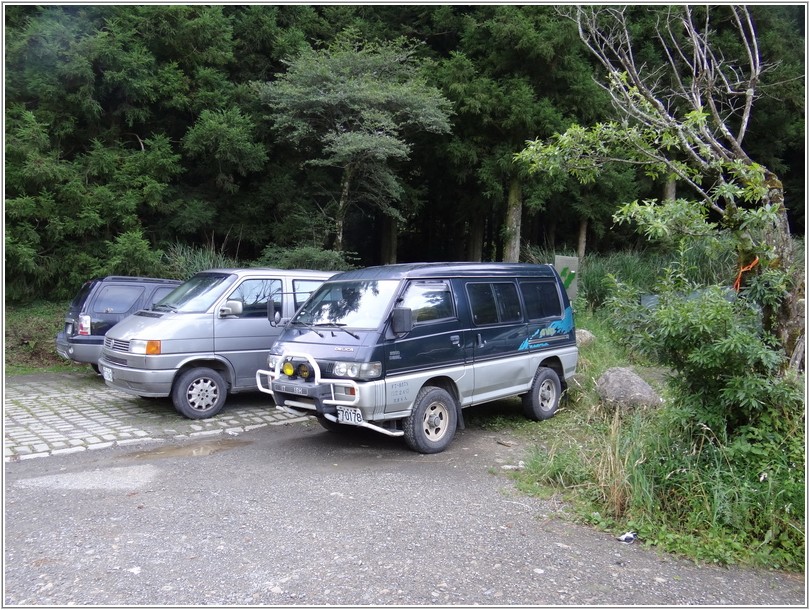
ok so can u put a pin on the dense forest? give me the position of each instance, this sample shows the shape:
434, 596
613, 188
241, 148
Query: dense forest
384, 132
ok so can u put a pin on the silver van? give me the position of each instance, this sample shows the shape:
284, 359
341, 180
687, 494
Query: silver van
206, 338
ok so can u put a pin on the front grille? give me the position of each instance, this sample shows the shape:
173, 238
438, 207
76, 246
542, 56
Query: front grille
118, 361
116, 344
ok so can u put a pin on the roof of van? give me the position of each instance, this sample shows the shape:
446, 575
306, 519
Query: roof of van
451, 269
303, 273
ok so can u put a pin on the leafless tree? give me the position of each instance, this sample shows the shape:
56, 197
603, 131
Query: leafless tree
703, 101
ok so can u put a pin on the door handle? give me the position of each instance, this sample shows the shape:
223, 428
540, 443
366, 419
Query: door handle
481, 341
455, 340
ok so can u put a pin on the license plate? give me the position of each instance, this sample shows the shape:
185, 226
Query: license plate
291, 389
349, 415
108, 374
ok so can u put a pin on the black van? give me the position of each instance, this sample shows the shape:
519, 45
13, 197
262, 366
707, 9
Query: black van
403, 348
99, 305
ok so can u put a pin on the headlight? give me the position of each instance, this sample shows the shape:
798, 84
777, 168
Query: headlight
272, 360
357, 370
142, 346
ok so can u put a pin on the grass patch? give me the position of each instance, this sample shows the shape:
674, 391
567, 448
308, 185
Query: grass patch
30, 338
699, 496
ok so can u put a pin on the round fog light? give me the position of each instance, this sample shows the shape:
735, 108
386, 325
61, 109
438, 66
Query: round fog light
288, 369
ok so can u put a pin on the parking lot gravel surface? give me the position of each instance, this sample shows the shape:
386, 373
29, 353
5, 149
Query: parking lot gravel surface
281, 512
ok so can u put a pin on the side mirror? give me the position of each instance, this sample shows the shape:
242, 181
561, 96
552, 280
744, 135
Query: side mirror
273, 312
231, 308
402, 320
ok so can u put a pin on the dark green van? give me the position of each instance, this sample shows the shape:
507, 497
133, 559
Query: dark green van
402, 349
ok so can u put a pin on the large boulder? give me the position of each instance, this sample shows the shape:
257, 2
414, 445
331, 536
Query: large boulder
623, 389
584, 337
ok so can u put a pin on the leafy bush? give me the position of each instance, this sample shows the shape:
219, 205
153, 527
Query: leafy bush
305, 257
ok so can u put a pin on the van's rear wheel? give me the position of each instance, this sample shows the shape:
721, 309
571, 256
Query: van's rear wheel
544, 396
199, 393
432, 423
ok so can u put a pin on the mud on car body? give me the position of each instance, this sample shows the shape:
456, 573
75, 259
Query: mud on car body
403, 349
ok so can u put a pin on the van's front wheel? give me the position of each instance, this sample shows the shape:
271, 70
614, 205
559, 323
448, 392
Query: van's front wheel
432, 423
199, 393
544, 396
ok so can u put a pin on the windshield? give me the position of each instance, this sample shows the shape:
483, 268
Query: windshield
356, 304
196, 295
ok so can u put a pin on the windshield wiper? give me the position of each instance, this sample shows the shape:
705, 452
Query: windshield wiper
339, 327
163, 307
307, 326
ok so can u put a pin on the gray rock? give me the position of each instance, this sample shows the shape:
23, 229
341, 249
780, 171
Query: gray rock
624, 389
584, 337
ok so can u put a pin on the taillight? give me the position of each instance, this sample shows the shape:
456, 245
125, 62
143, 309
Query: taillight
84, 325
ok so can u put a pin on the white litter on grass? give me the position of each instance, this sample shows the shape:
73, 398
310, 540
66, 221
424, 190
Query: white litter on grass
627, 538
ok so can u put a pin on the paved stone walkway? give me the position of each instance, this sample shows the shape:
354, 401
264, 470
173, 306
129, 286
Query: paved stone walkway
51, 414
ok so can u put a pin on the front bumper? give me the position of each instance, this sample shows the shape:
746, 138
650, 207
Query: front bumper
324, 397
139, 382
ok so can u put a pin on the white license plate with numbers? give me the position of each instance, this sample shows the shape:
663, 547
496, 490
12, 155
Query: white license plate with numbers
108, 374
349, 415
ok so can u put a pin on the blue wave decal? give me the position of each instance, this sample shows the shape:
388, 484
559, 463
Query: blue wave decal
561, 327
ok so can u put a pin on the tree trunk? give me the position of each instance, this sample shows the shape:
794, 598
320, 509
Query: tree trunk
511, 233
787, 321
388, 247
475, 238
670, 191
343, 207
583, 236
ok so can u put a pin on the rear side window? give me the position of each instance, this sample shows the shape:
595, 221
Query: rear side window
495, 302
429, 301
542, 300
80, 298
117, 299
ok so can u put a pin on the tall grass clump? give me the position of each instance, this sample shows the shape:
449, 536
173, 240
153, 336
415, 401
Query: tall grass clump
724, 471
181, 261
706, 262
717, 472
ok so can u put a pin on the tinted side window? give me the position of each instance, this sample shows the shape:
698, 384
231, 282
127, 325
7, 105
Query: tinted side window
482, 303
255, 294
117, 299
80, 298
508, 303
542, 299
429, 301
493, 303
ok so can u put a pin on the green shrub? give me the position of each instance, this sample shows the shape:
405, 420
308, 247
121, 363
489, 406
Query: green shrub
305, 257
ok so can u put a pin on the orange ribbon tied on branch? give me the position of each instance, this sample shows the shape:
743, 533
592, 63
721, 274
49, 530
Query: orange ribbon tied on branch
748, 267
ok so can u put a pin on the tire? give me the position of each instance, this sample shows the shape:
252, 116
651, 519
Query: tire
199, 393
432, 423
543, 398
95, 368
330, 425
